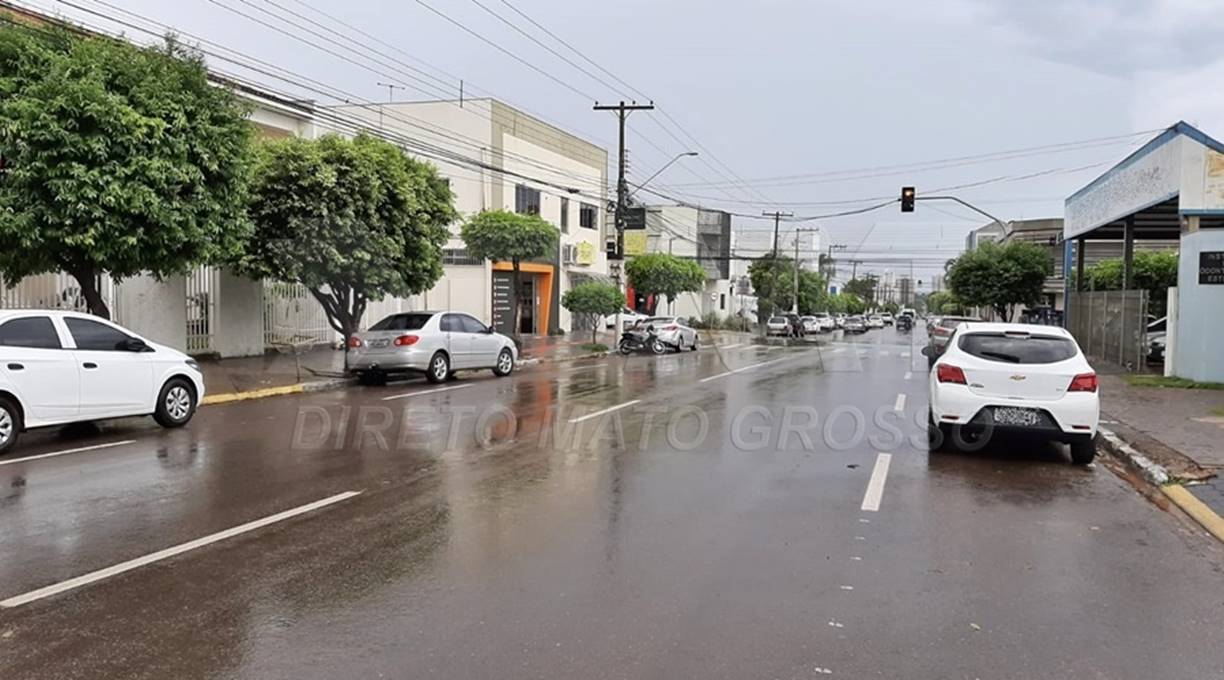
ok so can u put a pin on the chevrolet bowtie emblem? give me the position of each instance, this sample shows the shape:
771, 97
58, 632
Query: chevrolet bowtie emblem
1018, 377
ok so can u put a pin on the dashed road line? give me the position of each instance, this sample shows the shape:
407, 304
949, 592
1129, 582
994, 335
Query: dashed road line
875, 487
66, 452
424, 392
899, 405
179, 549
601, 412
908, 375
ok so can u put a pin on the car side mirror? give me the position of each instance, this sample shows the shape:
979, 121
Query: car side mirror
926, 351
134, 345
488, 330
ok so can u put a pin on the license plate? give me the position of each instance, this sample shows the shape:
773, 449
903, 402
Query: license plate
379, 343
1023, 417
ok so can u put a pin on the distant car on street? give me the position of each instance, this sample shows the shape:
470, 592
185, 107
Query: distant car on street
433, 343
778, 325
887, 318
855, 324
825, 322
628, 318
1155, 339
875, 321
839, 320
941, 332
810, 324
673, 332
59, 367
1014, 379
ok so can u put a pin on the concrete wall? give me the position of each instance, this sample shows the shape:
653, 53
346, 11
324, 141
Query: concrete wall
157, 310
239, 330
1200, 324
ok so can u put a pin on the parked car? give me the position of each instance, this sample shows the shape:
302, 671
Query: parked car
810, 324
628, 318
855, 324
839, 320
1155, 339
940, 332
673, 332
1015, 379
433, 343
887, 318
825, 322
910, 312
796, 325
778, 325
59, 367
875, 321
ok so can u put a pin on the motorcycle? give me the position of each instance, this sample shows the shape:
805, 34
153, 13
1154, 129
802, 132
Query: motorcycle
636, 340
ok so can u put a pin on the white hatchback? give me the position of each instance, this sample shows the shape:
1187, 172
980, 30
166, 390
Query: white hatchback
1014, 379
59, 367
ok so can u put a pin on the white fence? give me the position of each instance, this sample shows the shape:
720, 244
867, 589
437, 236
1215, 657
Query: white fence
293, 317
202, 287
53, 291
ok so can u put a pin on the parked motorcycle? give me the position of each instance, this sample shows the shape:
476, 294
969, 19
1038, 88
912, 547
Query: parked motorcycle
639, 339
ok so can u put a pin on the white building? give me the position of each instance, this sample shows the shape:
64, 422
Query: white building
704, 235
529, 166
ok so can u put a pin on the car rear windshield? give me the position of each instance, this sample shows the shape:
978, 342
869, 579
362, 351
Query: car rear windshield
1018, 349
777, 319
402, 322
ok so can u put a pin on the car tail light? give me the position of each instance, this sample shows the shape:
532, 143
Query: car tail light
671, 327
1084, 382
940, 330
406, 340
947, 373
354, 342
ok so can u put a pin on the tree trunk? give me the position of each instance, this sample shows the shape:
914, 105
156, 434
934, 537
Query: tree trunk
88, 280
344, 309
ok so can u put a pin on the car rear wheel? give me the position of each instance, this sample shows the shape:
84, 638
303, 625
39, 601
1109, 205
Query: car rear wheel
505, 364
1083, 451
10, 425
439, 369
176, 403
937, 437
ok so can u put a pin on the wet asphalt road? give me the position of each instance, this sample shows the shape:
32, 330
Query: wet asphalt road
711, 526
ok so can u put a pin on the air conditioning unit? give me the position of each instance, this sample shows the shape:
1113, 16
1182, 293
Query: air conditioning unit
569, 254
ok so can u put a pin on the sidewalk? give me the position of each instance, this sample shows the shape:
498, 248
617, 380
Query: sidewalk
1181, 430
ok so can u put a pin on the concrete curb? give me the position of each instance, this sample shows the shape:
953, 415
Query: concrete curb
1148, 469
263, 393
1213, 523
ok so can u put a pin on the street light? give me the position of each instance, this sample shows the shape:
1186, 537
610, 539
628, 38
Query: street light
660, 171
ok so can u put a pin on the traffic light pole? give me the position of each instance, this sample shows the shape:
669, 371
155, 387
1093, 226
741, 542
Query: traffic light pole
622, 196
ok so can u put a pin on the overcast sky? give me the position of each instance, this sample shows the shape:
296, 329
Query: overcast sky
779, 88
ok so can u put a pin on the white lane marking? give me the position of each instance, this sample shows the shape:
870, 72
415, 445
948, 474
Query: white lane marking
65, 452
738, 344
716, 377
884, 353
900, 403
856, 558
875, 487
905, 355
909, 375
741, 370
847, 587
839, 350
610, 409
122, 567
424, 392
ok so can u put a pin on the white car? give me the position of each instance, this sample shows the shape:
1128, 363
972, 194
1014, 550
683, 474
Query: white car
777, 325
810, 324
825, 322
59, 367
875, 321
1015, 379
673, 332
628, 318
887, 318
434, 343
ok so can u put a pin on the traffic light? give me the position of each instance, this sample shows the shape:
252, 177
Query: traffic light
907, 199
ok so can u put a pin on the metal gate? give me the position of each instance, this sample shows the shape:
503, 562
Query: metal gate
1111, 325
293, 317
53, 291
202, 286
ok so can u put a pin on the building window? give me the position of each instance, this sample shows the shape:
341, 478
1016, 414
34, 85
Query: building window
458, 256
564, 215
722, 301
526, 200
588, 217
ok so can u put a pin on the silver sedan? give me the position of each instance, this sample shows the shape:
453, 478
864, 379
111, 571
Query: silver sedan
434, 343
672, 331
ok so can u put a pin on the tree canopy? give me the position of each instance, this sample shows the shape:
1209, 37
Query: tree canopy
773, 283
593, 301
120, 159
863, 287
1001, 277
660, 274
504, 236
1152, 270
354, 220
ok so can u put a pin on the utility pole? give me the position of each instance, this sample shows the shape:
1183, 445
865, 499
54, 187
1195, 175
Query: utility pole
801, 230
622, 194
777, 215
830, 268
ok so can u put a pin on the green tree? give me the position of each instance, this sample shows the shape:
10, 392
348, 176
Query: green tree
593, 301
1001, 277
503, 236
943, 302
120, 159
1152, 270
660, 274
353, 220
863, 287
813, 296
773, 282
